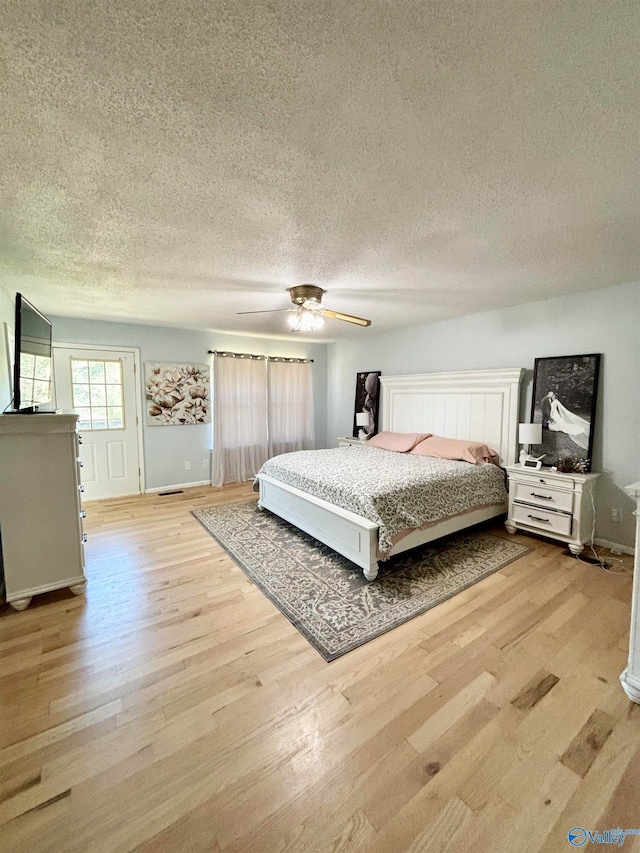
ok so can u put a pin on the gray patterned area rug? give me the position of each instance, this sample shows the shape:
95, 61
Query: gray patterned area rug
327, 597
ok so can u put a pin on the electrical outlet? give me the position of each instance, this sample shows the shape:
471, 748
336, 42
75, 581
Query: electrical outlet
187, 466
616, 514
205, 463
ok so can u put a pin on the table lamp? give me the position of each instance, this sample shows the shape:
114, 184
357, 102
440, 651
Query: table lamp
528, 434
363, 419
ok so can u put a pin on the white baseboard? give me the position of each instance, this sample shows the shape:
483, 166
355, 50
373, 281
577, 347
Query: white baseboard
614, 546
177, 486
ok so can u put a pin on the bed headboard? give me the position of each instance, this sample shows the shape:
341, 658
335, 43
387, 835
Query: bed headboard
481, 405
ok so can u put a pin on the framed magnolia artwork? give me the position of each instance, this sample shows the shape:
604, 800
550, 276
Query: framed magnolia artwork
177, 394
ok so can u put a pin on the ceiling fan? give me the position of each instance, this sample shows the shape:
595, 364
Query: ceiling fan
308, 315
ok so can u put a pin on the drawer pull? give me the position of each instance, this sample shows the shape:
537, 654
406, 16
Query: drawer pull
537, 518
81, 488
83, 513
84, 537
80, 463
542, 497
79, 439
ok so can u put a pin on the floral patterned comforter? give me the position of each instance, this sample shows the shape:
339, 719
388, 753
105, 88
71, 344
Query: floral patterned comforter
397, 491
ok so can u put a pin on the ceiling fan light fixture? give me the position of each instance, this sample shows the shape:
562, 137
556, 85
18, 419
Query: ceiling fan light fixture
305, 293
309, 313
305, 320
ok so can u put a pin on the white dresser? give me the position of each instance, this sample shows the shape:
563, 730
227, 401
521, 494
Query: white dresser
630, 678
40, 506
556, 505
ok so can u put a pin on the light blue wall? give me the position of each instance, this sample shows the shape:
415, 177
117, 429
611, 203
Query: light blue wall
167, 448
605, 321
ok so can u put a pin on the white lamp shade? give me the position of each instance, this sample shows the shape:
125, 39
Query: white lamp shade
530, 433
363, 419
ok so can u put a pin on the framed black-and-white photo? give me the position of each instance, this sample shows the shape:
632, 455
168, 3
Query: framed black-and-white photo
365, 416
564, 402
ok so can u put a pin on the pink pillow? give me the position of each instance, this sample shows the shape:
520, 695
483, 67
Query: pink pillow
401, 442
455, 448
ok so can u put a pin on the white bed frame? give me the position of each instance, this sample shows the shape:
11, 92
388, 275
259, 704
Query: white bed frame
481, 405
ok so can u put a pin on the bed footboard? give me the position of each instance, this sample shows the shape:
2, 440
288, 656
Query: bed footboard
351, 535
354, 537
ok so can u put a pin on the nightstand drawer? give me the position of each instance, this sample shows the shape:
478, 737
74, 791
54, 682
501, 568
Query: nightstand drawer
544, 496
557, 522
548, 481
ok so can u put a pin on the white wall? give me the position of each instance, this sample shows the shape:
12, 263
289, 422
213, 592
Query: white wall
166, 449
605, 321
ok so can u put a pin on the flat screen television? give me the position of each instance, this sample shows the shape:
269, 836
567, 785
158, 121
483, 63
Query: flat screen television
33, 364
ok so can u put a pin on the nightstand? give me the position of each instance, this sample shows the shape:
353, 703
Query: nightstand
346, 441
556, 505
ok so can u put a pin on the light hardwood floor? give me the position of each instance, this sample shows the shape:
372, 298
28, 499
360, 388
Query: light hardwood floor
174, 708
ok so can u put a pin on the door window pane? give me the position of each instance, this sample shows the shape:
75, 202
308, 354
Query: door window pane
113, 372
115, 417
96, 371
80, 395
99, 418
97, 393
85, 418
79, 371
114, 395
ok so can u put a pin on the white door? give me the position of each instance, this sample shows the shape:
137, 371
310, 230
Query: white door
100, 386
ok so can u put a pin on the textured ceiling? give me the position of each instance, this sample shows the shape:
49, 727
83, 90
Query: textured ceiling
176, 162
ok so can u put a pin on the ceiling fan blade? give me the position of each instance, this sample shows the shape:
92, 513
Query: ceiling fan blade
272, 311
347, 318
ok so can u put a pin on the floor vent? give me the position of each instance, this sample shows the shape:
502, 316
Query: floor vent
175, 492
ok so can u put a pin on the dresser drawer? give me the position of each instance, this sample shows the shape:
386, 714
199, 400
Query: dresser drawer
543, 496
541, 519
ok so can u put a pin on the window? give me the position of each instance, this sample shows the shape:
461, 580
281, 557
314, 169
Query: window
97, 394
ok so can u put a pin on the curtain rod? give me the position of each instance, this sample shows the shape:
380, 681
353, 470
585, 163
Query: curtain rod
266, 357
